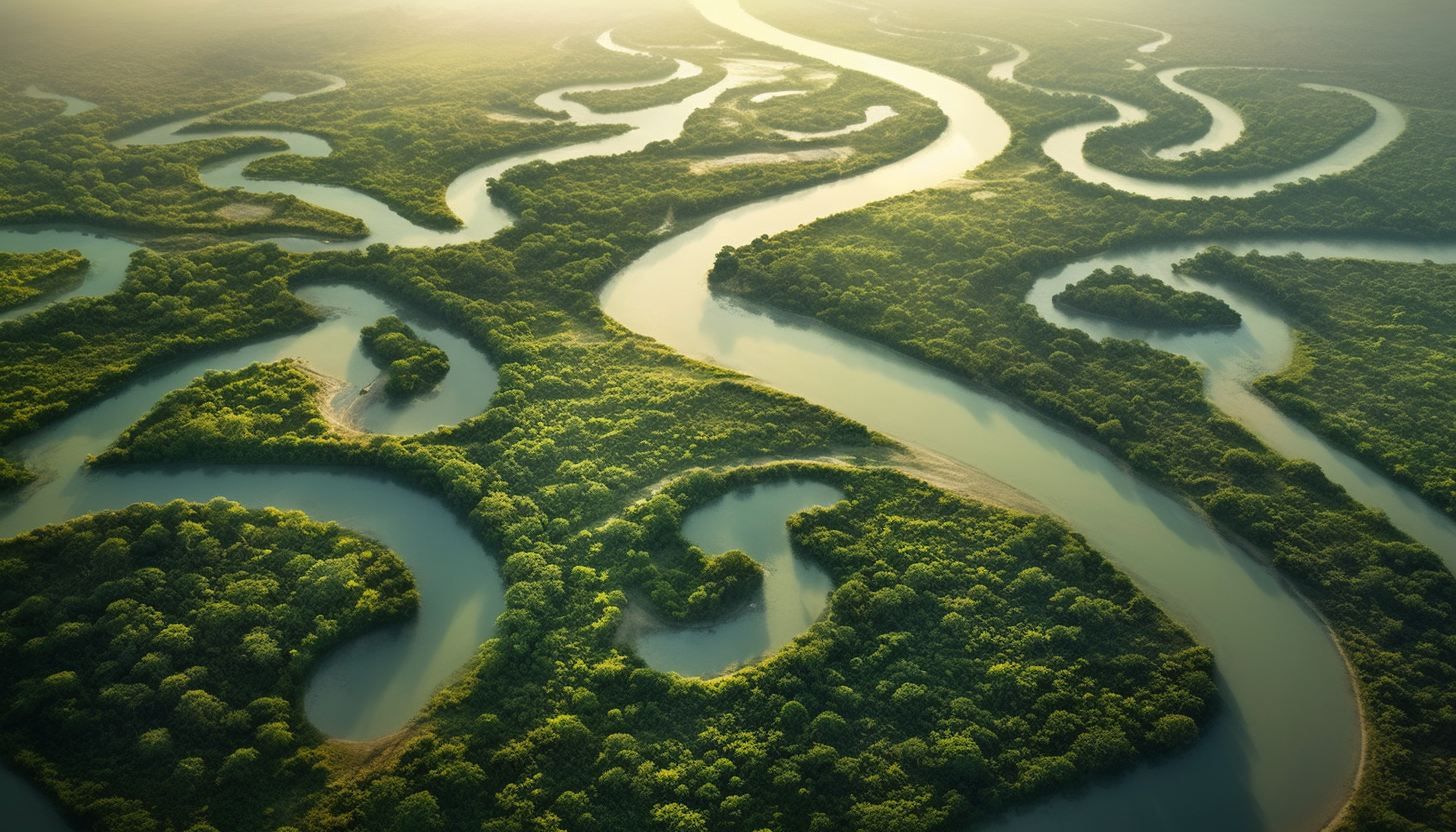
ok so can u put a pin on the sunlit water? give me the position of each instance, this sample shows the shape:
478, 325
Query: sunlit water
1281, 755
1226, 128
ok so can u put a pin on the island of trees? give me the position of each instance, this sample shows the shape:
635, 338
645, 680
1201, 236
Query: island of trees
1124, 295
413, 364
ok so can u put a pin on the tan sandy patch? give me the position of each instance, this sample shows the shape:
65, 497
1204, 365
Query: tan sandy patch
494, 116
244, 211
818, 154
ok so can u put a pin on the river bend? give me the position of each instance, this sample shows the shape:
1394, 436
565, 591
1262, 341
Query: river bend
1282, 755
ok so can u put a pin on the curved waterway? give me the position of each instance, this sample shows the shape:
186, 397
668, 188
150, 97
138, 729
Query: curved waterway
1282, 754
1065, 147
1226, 128
795, 590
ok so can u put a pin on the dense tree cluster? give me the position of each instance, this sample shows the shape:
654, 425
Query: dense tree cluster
941, 276
25, 276
1125, 295
586, 418
252, 409
970, 658
1284, 125
938, 685
155, 656
1374, 368
70, 354
413, 364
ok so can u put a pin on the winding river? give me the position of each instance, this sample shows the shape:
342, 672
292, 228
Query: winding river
1282, 755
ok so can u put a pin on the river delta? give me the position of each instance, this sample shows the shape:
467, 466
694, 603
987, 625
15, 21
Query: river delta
1286, 744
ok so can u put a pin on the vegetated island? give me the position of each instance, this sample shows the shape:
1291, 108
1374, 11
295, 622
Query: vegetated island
24, 276
1124, 295
414, 364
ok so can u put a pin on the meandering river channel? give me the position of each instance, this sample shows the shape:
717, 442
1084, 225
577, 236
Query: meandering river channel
1282, 755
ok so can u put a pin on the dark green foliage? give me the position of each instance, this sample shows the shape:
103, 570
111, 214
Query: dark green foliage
587, 417
889, 713
942, 275
20, 111
993, 660
1374, 368
69, 354
24, 276
13, 475
414, 365
155, 656
1127, 296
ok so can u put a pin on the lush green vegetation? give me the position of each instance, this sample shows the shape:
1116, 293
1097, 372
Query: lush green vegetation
427, 101
70, 354
1125, 295
252, 408
865, 721
21, 111
587, 419
619, 204
1284, 125
155, 657
25, 276
970, 659
1374, 368
65, 170
414, 365
941, 275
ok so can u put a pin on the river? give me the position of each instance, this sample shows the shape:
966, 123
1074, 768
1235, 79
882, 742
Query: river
1282, 754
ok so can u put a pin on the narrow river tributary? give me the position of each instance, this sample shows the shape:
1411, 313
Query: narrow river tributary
1281, 756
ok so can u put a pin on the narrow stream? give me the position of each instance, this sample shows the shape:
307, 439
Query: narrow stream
1280, 757
1226, 128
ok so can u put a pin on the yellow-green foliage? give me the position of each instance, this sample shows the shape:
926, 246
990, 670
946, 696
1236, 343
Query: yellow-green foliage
1284, 125
425, 102
1125, 295
72, 353
24, 276
252, 407
414, 365
891, 712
